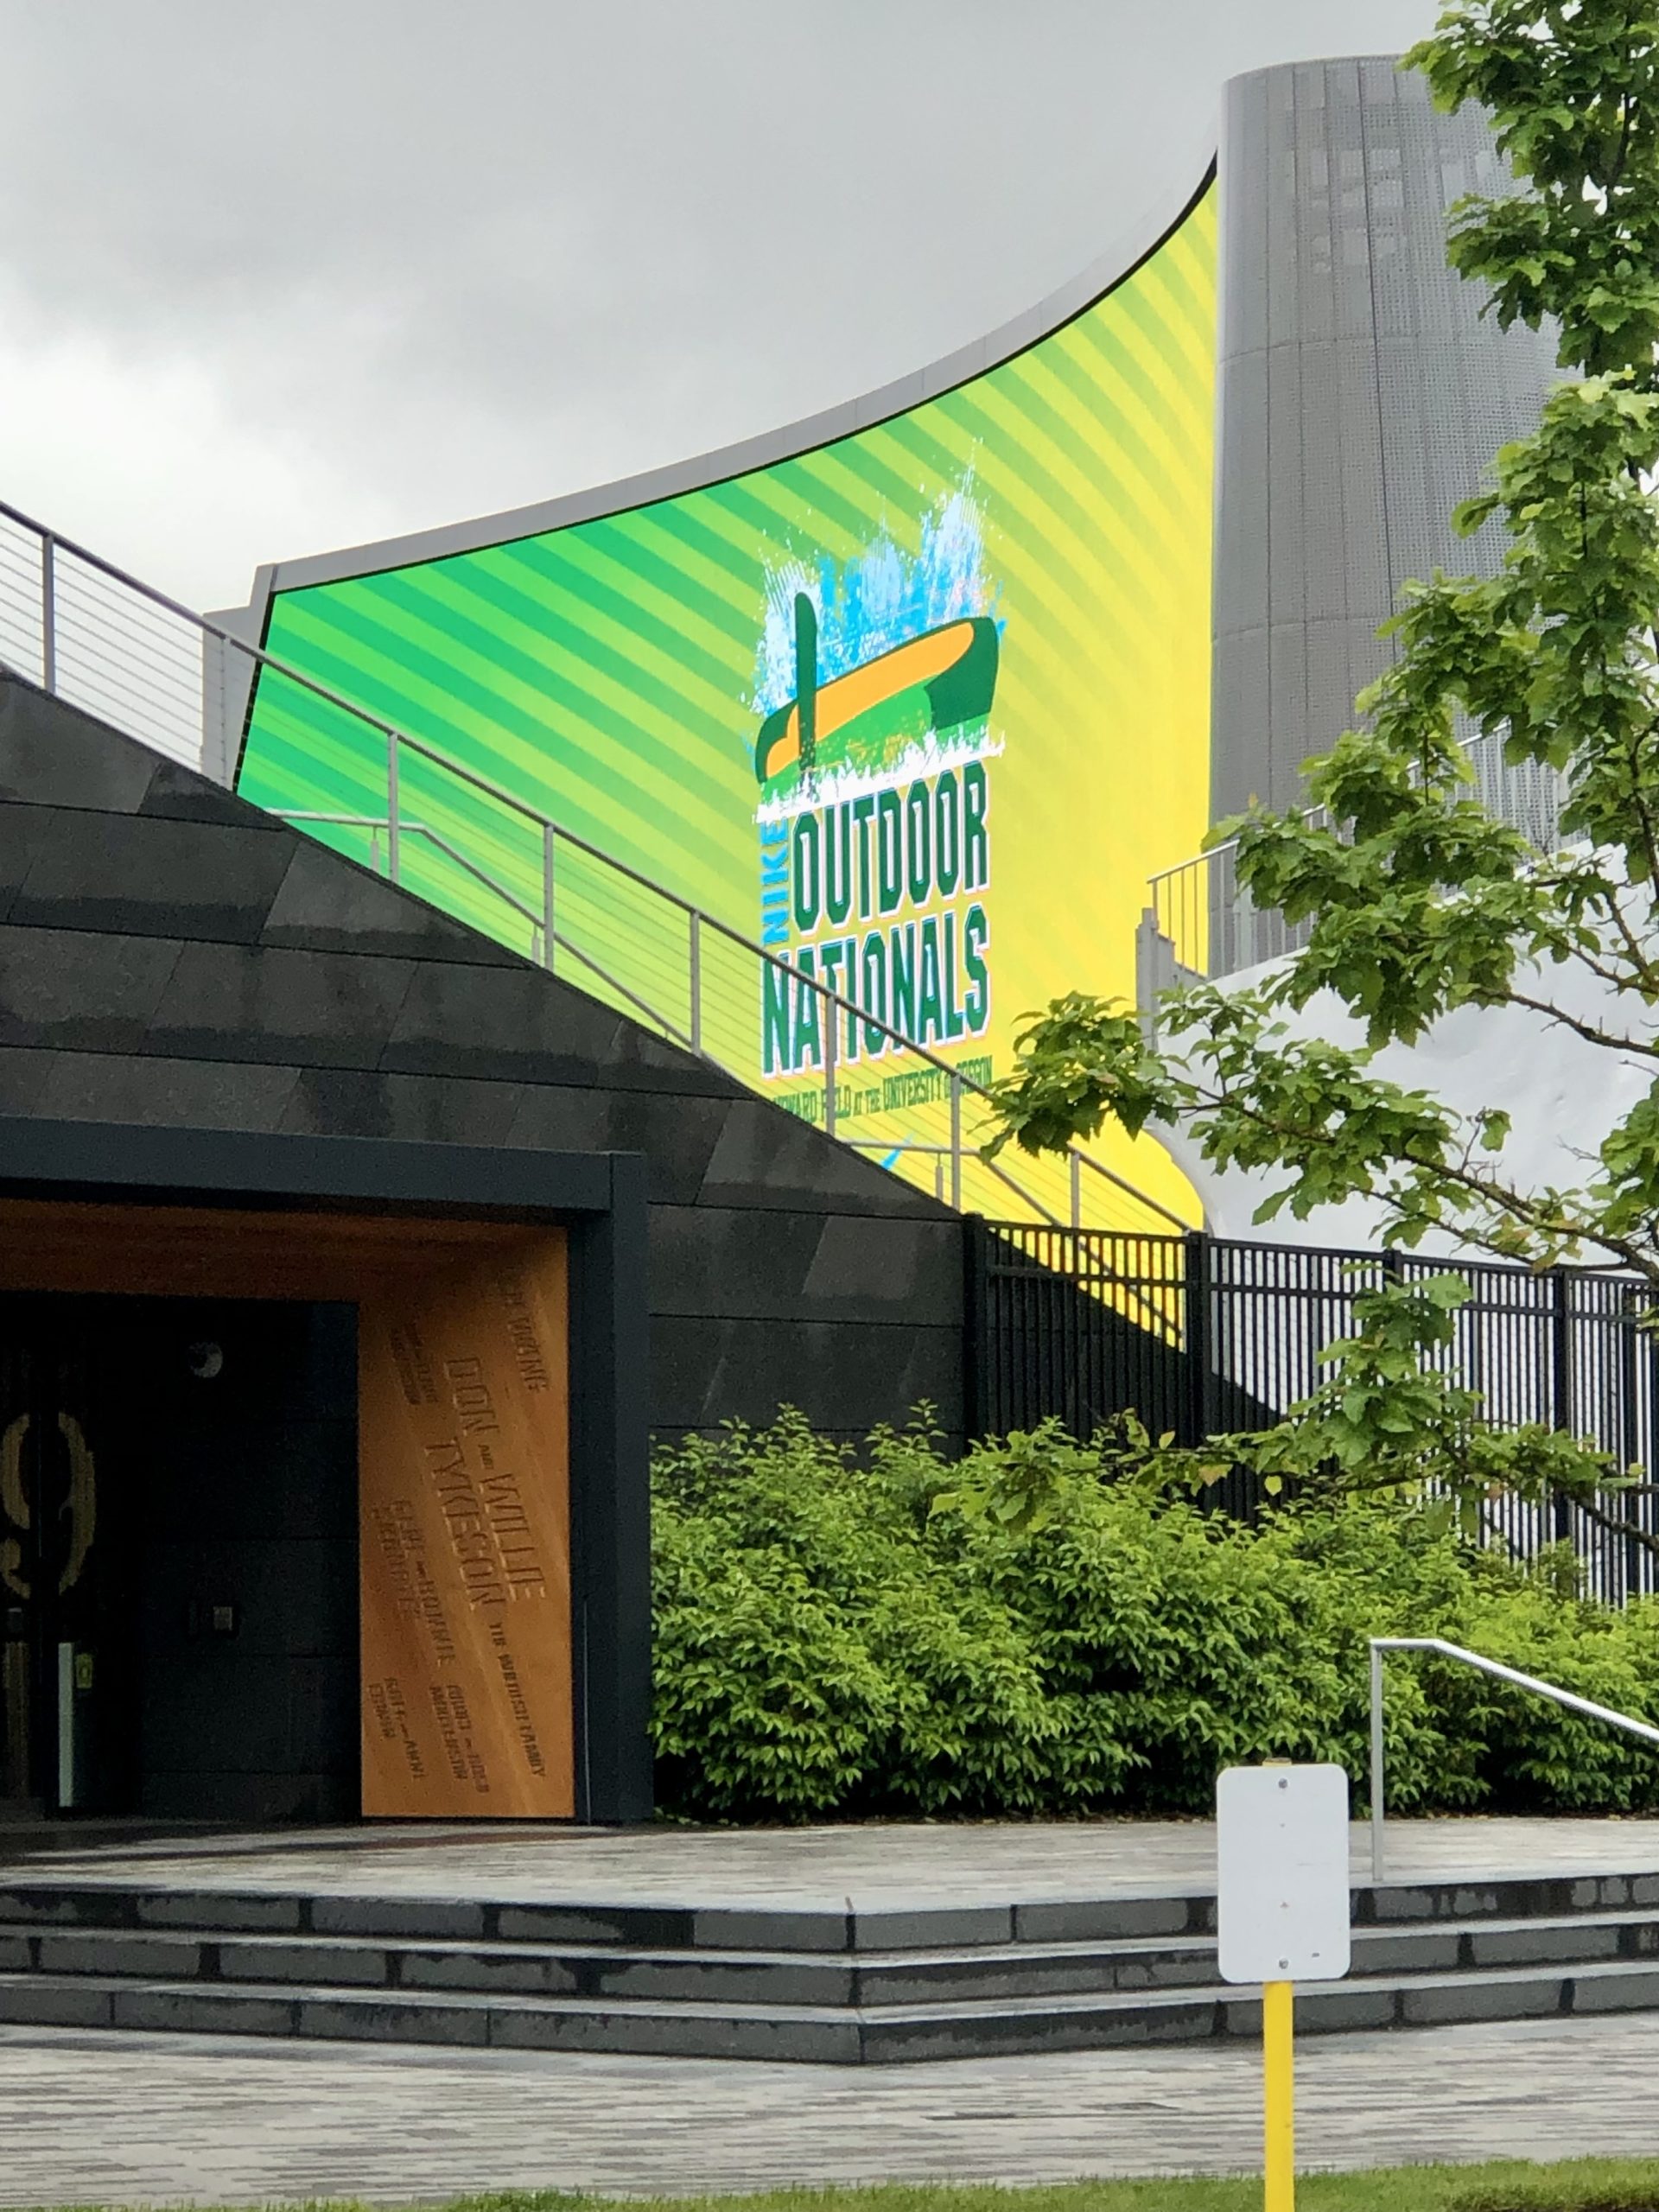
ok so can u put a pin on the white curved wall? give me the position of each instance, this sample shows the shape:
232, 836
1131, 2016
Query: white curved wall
1564, 1096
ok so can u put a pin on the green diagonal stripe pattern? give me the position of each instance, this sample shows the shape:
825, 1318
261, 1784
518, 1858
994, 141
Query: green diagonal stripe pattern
617, 675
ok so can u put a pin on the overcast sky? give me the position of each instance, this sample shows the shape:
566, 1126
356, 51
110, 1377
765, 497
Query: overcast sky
276, 279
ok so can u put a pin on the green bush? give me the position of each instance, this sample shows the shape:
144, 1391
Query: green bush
840, 1635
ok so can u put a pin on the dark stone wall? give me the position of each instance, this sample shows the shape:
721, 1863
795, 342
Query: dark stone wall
170, 954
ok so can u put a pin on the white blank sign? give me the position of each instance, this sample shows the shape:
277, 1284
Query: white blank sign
1281, 1867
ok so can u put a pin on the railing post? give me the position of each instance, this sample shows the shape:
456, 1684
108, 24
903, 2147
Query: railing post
548, 834
391, 806
956, 1140
1076, 1158
1377, 1764
695, 980
831, 1042
48, 613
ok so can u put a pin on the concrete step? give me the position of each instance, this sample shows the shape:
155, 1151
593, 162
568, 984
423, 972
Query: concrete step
692, 1974
836, 1987
688, 1976
849, 2036
29, 1898
119, 1904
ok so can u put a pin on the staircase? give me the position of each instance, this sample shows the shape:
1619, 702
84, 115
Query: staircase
871, 1988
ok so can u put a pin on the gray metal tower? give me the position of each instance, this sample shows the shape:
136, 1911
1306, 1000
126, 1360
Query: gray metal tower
1362, 396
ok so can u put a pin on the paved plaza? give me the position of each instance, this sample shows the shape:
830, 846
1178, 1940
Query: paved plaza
870, 1866
128, 2119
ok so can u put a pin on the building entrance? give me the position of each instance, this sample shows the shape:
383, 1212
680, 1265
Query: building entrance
315, 1551
51, 1558
178, 1556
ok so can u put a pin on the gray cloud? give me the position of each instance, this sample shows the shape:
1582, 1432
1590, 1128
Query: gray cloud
428, 259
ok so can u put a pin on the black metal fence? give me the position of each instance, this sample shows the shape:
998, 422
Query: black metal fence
1199, 1334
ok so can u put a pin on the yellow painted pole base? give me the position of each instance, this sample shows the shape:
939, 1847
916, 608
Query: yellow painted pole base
1279, 2096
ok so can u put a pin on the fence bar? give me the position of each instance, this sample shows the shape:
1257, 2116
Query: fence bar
831, 1011
1204, 1335
1376, 1763
1197, 1317
549, 835
1075, 1163
956, 1140
1560, 1410
695, 979
48, 613
1625, 1399
391, 806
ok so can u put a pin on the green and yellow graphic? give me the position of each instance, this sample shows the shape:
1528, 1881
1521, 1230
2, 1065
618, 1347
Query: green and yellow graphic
919, 709
935, 681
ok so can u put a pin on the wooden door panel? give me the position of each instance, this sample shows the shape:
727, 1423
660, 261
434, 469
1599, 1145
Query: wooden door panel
465, 1554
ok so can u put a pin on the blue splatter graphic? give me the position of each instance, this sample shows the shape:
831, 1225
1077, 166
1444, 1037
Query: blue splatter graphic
878, 600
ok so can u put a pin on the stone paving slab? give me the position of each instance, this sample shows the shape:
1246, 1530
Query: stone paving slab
137, 2120
865, 1867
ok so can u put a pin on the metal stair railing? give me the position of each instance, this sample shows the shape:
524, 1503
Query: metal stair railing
839, 1016
102, 640
1381, 1645
1214, 928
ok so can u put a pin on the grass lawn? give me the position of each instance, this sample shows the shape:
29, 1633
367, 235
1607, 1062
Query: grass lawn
1578, 2185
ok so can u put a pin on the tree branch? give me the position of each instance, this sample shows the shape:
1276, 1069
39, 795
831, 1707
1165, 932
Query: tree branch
1592, 1032
1527, 1213
1616, 1527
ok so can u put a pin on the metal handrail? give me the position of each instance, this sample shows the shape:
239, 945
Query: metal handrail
1208, 852
699, 920
1505, 789
1380, 1644
53, 543
1321, 816
433, 837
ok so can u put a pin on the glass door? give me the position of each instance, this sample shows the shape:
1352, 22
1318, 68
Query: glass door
22, 1783
59, 1663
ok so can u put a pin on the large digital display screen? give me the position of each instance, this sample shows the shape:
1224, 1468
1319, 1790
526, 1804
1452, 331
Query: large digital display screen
918, 709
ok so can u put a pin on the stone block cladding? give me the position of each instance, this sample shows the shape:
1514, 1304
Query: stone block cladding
171, 956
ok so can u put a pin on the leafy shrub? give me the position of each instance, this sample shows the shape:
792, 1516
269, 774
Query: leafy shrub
814, 1650
1039, 1629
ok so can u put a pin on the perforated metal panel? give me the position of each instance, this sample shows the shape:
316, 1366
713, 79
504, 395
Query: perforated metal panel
1362, 396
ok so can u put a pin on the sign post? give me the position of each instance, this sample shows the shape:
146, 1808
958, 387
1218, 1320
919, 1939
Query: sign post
1279, 2095
1282, 1917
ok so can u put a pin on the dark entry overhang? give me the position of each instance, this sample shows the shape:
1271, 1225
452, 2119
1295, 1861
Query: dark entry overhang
599, 1199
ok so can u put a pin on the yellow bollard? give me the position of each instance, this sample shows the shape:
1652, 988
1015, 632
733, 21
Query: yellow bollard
1279, 2095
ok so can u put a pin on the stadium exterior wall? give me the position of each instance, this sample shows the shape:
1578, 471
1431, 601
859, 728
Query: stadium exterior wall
1362, 396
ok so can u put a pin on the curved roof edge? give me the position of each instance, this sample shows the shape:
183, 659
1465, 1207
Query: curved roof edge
1396, 60
783, 443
